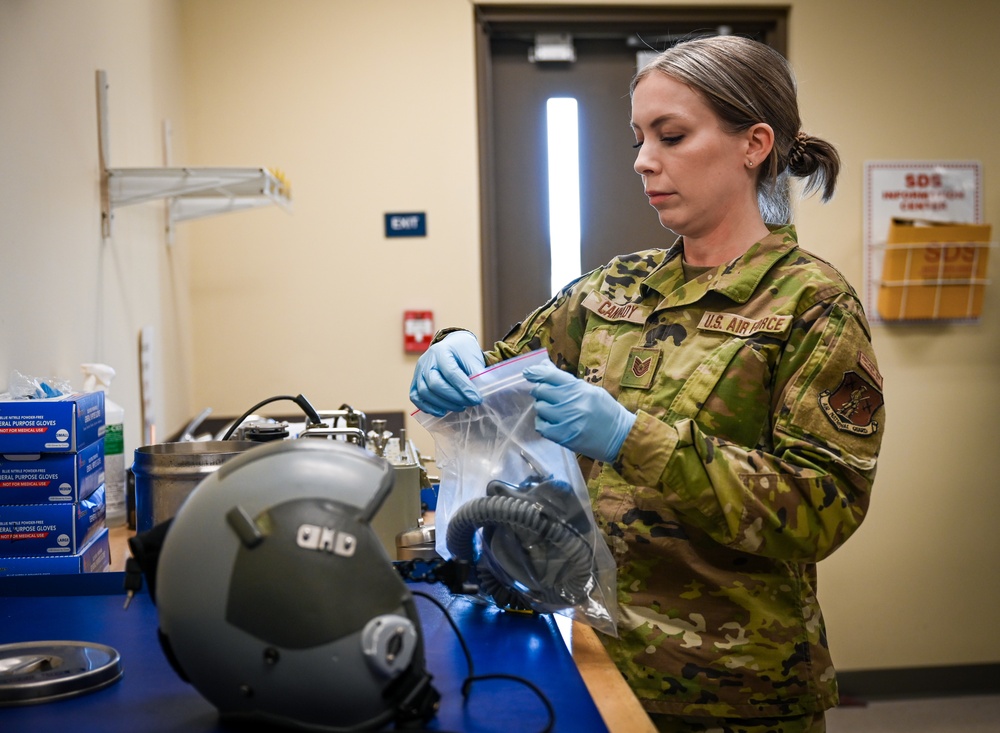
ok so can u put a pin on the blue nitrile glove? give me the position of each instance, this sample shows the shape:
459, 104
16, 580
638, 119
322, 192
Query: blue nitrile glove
441, 381
577, 415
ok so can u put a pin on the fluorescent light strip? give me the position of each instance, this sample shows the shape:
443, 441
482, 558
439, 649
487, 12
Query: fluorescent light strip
564, 190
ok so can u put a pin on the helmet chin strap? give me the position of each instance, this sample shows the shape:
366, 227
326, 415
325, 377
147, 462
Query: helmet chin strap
145, 555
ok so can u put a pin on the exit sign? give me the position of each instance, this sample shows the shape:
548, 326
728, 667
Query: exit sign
406, 225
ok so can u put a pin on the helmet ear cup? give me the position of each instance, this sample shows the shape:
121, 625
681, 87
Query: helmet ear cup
389, 642
168, 652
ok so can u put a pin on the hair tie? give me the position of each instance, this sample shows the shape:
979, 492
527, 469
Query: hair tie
797, 150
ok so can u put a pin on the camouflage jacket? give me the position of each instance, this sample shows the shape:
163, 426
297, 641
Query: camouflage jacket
759, 418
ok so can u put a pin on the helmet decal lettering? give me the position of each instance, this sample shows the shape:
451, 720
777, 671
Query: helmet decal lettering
325, 539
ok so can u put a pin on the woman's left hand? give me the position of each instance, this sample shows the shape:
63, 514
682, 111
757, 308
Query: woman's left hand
577, 415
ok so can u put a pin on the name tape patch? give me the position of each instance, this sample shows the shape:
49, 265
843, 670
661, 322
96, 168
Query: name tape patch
612, 311
740, 326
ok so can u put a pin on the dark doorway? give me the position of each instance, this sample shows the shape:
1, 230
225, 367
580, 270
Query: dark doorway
614, 215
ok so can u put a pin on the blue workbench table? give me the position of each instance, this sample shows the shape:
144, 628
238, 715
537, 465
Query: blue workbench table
150, 698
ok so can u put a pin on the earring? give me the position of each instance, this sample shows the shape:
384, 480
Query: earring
750, 164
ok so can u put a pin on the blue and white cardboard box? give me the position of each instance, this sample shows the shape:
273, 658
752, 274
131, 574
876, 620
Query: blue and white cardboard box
63, 424
50, 529
57, 478
95, 557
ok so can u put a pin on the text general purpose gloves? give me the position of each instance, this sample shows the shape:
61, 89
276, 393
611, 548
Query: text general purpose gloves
577, 415
441, 381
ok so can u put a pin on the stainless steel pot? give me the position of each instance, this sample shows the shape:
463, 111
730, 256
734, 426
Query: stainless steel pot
165, 473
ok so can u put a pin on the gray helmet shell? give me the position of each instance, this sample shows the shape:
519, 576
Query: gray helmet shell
277, 601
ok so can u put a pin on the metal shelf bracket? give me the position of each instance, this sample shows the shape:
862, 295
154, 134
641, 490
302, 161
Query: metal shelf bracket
191, 192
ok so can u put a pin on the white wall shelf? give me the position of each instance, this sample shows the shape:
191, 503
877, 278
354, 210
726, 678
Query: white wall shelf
198, 192
190, 192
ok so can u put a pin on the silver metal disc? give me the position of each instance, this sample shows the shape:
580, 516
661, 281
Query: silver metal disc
42, 671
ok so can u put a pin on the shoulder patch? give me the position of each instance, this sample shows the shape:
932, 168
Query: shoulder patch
851, 407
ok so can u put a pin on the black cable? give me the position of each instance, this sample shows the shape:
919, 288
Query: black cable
466, 686
299, 400
451, 622
472, 677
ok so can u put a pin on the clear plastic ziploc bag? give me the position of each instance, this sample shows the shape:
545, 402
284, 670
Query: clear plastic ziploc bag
515, 505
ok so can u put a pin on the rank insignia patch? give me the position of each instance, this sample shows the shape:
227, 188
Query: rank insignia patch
851, 407
639, 367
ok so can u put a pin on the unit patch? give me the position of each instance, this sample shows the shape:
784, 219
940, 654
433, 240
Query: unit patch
640, 367
740, 326
851, 407
609, 310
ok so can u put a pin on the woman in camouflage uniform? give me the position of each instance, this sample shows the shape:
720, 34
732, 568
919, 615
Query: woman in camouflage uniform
723, 397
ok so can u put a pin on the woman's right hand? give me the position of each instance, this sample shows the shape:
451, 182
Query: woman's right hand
441, 381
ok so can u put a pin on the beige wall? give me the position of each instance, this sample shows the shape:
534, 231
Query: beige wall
66, 295
370, 107
899, 80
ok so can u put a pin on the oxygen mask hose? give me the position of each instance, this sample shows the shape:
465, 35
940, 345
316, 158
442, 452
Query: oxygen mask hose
534, 552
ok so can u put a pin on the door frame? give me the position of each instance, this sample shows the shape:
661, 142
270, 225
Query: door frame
528, 20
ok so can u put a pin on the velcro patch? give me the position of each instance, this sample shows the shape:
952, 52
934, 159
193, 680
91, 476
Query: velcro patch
740, 326
609, 310
868, 365
851, 407
640, 367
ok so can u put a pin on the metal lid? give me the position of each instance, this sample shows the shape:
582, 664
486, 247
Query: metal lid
42, 671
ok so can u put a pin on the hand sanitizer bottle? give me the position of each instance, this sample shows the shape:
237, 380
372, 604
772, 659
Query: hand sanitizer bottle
99, 376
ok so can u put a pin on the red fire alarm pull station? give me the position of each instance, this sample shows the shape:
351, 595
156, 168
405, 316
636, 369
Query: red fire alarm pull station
418, 330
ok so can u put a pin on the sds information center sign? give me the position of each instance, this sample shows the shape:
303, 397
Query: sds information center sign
936, 190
